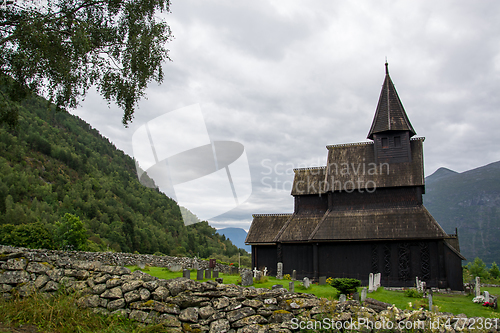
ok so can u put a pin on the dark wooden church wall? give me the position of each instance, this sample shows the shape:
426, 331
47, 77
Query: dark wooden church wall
265, 256
314, 204
299, 257
403, 196
388, 149
453, 270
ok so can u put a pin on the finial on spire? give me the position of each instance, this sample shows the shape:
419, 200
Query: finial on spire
386, 67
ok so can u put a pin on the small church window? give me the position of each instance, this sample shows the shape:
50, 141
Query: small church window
385, 143
397, 141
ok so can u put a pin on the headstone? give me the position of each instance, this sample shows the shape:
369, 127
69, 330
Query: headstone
430, 302
246, 278
208, 274
199, 274
306, 282
175, 268
211, 263
478, 286
186, 273
294, 275
342, 298
424, 285
279, 276
276, 286
291, 287
255, 270
322, 280
376, 281
370, 282
363, 294
216, 274
417, 283
486, 296
219, 280
495, 304
258, 276
234, 270
265, 271
196, 265
355, 296
141, 265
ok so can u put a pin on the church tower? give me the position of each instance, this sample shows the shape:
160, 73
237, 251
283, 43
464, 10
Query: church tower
391, 129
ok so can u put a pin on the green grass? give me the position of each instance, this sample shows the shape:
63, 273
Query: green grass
455, 304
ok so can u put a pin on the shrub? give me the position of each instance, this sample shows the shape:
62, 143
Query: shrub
412, 293
287, 277
344, 285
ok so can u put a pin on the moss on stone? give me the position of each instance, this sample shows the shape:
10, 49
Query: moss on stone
281, 311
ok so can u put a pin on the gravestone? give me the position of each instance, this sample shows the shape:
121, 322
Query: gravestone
255, 270
363, 294
294, 275
219, 280
196, 265
265, 271
258, 276
417, 283
322, 280
306, 282
186, 273
478, 286
430, 301
234, 270
291, 287
370, 282
376, 281
495, 304
216, 274
279, 275
208, 274
486, 296
276, 286
355, 296
175, 268
211, 263
199, 274
342, 298
246, 278
141, 265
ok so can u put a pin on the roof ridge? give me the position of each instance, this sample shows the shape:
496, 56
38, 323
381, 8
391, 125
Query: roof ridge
310, 168
350, 144
272, 214
418, 138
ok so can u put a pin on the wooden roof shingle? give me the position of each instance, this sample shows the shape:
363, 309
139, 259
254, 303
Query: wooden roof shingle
265, 227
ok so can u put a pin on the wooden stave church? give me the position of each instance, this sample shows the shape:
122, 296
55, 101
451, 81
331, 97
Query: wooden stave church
363, 213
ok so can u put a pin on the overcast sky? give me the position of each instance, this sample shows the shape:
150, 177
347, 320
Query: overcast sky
287, 78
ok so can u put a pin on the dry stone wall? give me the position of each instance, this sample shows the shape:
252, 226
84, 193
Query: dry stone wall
185, 305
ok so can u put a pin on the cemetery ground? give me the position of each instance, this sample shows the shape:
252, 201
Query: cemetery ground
452, 303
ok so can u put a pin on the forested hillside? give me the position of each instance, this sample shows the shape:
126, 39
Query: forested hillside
470, 202
54, 163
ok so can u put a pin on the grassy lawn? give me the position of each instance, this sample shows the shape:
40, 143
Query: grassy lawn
455, 304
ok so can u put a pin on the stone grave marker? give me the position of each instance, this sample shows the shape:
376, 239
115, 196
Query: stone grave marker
370, 282
279, 276
208, 274
196, 265
141, 265
478, 286
294, 275
265, 271
211, 263
363, 294
355, 296
342, 298
322, 280
306, 282
376, 281
186, 273
216, 274
234, 270
258, 276
246, 278
276, 286
486, 296
255, 270
175, 268
430, 301
199, 274
291, 287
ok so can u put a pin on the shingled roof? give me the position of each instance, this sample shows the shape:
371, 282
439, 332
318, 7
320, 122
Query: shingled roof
265, 227
390, 114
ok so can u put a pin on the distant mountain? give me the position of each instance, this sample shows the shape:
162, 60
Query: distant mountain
470, 202
236, 236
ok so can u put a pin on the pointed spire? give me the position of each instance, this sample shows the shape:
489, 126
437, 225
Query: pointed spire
390, 114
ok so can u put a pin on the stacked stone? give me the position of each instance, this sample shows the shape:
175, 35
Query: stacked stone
113, 258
